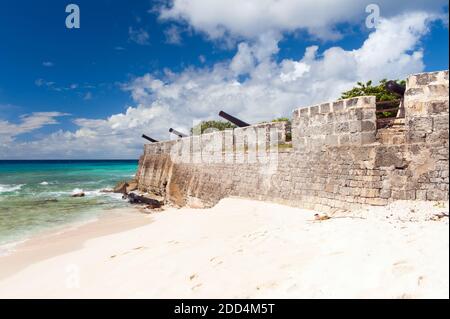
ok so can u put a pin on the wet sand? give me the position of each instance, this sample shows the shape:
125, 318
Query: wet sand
69, 238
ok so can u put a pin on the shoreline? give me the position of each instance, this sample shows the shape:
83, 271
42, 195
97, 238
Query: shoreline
238, 249
66, 238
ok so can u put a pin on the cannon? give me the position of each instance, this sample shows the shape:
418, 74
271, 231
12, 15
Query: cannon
396, 88
149, 139
179, 134
233, 120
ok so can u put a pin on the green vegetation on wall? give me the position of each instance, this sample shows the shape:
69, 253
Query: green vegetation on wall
206, 126
382, 95
365, 89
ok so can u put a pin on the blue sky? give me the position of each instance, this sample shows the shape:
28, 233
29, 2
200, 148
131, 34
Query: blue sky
140, 66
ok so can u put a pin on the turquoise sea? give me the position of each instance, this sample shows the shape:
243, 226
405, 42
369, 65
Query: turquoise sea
36, 195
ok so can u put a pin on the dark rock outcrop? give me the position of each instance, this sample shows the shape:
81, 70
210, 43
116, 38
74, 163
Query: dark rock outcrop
79, 195
146, 200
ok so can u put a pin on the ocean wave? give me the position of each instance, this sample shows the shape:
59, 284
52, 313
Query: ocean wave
8, 248
77, 191
10, 188
100, 192
87, 193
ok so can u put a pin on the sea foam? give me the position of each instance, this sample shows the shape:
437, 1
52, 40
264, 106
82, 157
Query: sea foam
10, 188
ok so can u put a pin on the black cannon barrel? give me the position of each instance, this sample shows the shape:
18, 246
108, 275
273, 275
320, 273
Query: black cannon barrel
233, 120
148, 138
179, 134
396, 88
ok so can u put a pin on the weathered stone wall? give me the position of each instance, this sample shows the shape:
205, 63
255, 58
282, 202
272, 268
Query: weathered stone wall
336, 161
259, 136
342, 123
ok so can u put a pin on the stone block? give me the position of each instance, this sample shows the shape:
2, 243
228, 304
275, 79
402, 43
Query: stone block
354, 126
436, 90
437, 107
351, 102
414, 92
313, 110
437, 137
325, 108
304, 112
423, 124
437, 195
426, 78
369, 115
338, 106
368, 138
367, 126
344, 139
332, 140
416, 137
342, 128
370, 193
441, 122
385, 193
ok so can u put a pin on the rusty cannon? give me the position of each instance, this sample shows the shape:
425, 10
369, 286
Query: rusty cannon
395, 88
148, 138
233, 119
179, 134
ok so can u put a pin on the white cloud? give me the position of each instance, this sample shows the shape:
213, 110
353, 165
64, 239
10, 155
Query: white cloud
293, 70
253, 85
42, 82
173, 35
250, 18
28, 123
48, 64
139, 36
53, 86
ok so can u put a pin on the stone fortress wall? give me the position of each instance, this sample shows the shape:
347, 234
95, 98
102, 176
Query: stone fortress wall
339, 160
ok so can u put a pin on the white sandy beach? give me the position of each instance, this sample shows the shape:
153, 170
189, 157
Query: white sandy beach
239, 249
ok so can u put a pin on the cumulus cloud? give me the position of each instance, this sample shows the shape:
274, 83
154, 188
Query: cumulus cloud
273, 88
254, 85
250, 18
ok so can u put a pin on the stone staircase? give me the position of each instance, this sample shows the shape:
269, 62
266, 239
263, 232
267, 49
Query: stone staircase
391, 131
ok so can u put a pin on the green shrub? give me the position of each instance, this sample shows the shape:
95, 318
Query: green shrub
379, 91
368, 89
217, 125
